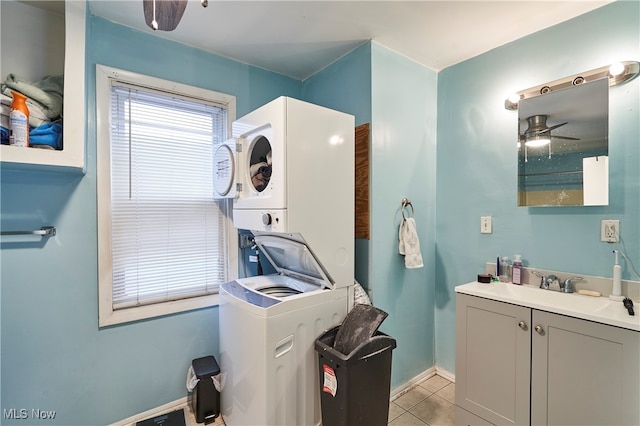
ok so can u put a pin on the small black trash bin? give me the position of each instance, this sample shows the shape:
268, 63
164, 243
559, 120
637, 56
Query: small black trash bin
355, 387
205, 400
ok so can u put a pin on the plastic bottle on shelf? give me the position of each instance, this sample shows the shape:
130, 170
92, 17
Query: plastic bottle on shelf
516, 270
19, 121
504, 269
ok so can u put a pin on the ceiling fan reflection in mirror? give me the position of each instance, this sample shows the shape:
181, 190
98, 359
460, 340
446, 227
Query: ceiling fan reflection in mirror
164, 15
538, 134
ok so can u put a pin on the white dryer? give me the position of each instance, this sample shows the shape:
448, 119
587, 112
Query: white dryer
290, 169
268, 328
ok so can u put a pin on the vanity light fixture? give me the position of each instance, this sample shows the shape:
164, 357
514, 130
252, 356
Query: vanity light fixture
617, 73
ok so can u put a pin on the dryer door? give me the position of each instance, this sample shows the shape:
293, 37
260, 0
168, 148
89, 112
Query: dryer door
225, 170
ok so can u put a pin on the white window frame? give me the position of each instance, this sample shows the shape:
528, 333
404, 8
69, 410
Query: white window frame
107, 315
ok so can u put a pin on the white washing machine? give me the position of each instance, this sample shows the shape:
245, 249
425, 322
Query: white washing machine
290, 171
268, 326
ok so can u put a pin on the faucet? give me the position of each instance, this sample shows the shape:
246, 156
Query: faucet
543, 280
546, 282
567, 286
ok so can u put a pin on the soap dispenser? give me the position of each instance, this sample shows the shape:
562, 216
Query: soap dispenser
516, 270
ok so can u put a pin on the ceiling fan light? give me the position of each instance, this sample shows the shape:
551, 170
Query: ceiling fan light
538, 141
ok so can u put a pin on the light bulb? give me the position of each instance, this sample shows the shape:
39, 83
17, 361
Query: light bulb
514, 98
616, 69
537, 142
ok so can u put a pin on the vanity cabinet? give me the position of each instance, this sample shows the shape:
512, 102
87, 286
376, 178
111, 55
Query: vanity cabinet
40, 39
517, 365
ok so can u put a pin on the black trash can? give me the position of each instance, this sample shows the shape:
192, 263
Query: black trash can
205, 400
355, 387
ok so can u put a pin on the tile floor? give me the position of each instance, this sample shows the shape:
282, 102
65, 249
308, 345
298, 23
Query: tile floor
429, 403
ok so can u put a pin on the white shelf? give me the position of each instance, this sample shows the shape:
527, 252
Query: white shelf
72, 156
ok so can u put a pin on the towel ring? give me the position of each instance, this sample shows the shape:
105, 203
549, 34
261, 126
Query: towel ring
406, 203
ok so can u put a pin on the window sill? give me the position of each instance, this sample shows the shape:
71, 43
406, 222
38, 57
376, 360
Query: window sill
137, 313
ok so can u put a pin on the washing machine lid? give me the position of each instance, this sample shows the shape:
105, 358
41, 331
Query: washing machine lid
290, 256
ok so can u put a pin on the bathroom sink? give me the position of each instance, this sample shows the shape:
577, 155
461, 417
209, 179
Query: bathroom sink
599, 309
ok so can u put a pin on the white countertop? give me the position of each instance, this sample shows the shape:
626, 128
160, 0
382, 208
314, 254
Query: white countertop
598, 309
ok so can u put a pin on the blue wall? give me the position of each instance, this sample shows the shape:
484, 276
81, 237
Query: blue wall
403, 164
345, 85
54, 357
477, 161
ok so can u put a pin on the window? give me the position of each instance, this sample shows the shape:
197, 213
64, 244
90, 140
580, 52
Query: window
165, 245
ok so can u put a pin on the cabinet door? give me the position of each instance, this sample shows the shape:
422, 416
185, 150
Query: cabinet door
583, 372
493, 349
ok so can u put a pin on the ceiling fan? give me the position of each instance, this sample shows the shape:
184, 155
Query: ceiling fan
165, 15
538, 134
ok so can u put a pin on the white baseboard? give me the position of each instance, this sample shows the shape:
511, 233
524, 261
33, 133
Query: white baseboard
446, 374
411, 383
170, 406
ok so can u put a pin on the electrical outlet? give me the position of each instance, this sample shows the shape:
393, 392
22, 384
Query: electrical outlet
485, 225
610, 231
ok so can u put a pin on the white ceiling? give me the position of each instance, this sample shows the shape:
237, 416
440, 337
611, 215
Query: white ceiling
298, 38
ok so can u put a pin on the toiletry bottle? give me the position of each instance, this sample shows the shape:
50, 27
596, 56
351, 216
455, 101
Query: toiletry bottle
19, 121
504, 269
516, 270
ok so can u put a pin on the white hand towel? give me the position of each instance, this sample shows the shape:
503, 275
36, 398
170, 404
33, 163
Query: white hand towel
409, 245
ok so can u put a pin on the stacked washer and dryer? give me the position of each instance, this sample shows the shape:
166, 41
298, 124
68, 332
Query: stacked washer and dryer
290, 170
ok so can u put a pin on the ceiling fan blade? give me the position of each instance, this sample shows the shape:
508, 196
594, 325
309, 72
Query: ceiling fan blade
565, 137
552, 127
168, 13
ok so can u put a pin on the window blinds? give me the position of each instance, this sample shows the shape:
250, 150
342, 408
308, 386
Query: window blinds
168, 236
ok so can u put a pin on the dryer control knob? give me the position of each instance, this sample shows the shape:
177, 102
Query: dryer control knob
266, 219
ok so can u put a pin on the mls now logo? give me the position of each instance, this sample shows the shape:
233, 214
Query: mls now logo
23, 413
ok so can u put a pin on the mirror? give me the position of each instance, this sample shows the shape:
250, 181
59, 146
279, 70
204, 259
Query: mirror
563, 147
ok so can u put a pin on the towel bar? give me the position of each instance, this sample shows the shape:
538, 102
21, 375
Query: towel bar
45, 231
406, 203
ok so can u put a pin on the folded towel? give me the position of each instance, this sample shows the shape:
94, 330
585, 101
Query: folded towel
4, 135
409, 245
47, 135
47, 92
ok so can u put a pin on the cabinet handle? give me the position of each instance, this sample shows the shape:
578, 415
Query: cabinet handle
522, 325
539, 329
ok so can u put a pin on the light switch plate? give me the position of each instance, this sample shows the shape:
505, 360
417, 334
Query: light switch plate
485, 225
